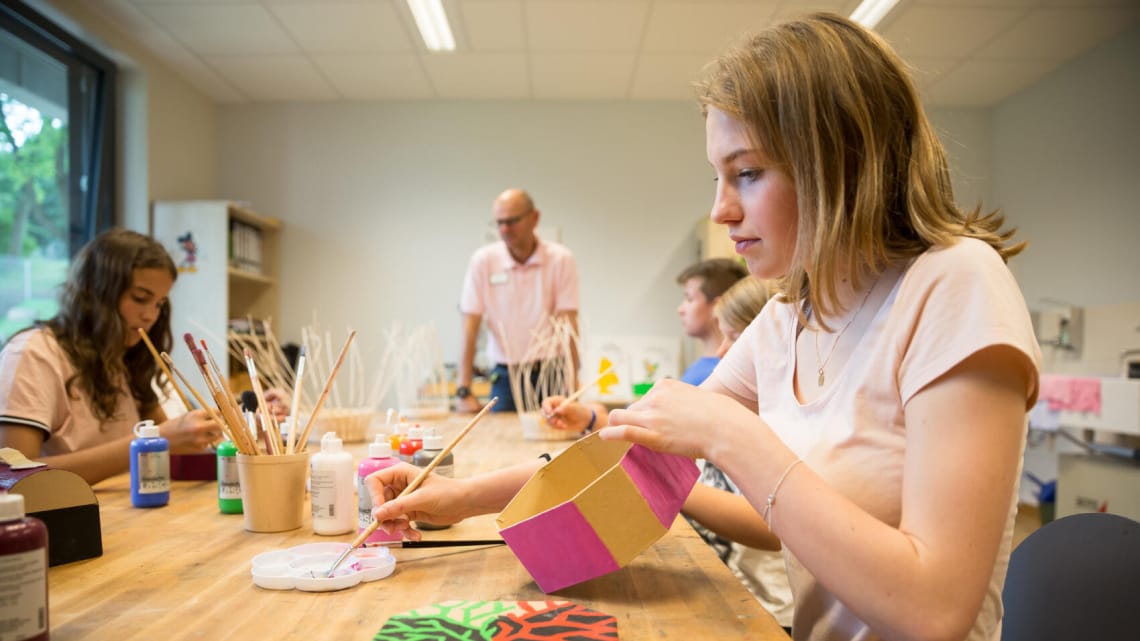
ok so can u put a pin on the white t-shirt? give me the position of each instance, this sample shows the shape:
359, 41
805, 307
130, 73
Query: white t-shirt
948, 304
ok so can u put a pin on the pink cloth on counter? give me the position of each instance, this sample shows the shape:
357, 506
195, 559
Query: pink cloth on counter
1072, 393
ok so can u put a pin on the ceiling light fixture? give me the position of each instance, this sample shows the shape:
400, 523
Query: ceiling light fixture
870, 12
432, 23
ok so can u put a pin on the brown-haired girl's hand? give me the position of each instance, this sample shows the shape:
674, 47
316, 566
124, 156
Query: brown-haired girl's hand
438, 500
194, 431
278, 401
572, 416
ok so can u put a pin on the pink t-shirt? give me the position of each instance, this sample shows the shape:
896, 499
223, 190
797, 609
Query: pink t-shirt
514, 298
948, 304
34, 371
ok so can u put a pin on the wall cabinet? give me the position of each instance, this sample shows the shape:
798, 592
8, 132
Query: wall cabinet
227, 259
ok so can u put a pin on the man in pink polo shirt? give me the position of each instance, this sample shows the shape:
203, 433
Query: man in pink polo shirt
514, 284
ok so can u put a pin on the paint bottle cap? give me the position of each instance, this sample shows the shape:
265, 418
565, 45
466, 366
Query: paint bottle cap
379, 449
416, 432
330, 444
146, 429
11, 507
433, 441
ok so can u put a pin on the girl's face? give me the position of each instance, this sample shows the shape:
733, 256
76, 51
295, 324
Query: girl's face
142, 303
755, 199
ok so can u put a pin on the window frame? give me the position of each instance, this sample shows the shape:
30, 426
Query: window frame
91, 123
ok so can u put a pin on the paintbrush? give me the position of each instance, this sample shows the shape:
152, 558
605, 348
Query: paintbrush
165, 370
440, 544
416, 482
324, 393
297, 382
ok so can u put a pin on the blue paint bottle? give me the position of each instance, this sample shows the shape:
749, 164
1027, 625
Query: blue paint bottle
150, 467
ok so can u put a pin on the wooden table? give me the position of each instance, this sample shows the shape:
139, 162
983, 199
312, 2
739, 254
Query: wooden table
182, 572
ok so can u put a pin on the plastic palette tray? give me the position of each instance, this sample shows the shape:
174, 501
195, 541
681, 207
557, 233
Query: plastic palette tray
302, 567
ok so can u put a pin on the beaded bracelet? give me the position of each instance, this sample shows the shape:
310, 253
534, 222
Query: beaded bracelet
772, 497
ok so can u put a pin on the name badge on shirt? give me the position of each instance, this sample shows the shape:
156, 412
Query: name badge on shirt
499, 278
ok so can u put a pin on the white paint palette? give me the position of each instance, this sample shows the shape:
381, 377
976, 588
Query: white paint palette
303, 567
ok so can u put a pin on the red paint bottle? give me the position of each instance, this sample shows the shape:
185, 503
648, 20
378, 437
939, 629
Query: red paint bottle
412, 444
23, 572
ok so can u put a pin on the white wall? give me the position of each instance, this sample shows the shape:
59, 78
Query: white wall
383, 203
1066, 170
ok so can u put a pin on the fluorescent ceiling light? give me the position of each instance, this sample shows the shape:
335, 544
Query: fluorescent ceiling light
870, 12
432, 23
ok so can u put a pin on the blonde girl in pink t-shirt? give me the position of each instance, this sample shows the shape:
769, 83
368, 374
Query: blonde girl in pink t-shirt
873, 415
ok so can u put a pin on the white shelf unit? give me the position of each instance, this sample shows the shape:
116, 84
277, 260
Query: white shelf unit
210, 289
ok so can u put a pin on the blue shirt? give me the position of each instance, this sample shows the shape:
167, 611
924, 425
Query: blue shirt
700, 370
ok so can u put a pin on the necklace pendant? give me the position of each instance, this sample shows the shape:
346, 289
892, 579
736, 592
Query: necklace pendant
820, 382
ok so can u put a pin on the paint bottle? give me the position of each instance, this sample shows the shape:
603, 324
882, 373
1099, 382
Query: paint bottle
379, 458
331, 482
150, 467
399, 434
229, 485
412, 444
23, 572
433, 446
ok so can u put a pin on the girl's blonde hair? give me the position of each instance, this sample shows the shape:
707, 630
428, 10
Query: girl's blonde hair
834, 107
738, 305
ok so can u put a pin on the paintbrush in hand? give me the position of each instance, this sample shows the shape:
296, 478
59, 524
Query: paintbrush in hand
416, 482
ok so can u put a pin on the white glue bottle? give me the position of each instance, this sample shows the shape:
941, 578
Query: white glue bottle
23, 572
332, 483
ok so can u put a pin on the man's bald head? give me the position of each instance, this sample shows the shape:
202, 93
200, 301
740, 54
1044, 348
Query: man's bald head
516, 218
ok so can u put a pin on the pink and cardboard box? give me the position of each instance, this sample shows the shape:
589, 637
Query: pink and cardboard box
593, 509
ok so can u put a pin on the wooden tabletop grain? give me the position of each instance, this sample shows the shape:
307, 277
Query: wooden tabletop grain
182, 572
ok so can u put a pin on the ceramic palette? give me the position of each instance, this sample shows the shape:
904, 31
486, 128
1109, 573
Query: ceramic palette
303, 567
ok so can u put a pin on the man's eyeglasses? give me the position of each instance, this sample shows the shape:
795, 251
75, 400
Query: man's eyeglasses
513, 220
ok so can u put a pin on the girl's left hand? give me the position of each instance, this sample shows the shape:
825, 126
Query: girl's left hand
677, 418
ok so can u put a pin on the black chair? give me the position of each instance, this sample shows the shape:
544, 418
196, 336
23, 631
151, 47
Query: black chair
1075, 579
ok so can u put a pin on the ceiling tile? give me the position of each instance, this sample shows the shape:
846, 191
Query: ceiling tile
1058, 34
666, 76
703, 28
585, 25
932, 32
376, 76
927, 71
796, 8
984, 83
493, 25
1013, 4
223, 29
581, 76
339, 27
478, 76
273, 77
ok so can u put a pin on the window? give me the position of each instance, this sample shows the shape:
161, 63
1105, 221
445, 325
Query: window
56, 159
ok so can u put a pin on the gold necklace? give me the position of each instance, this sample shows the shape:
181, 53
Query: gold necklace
838, 336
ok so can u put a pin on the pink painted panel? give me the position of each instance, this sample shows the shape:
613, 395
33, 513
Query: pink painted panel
559, 548
664, 480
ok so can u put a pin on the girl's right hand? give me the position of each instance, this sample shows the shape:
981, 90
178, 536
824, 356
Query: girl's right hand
438, 499
572, 416
194, 431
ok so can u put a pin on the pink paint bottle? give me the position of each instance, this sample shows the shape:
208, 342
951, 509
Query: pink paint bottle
23, 572
379, 457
